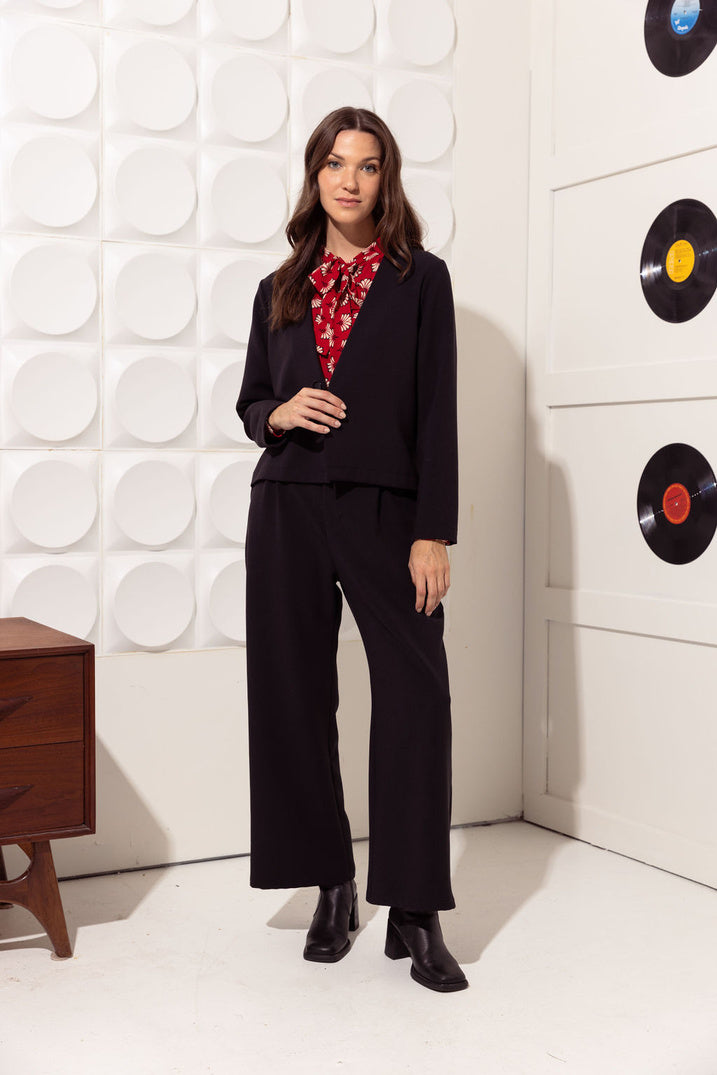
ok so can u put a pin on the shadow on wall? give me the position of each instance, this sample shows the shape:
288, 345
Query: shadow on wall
484, 641
563, 748
121, 813
553, 756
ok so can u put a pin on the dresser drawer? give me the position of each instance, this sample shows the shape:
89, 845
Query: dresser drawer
41, 788
41, 700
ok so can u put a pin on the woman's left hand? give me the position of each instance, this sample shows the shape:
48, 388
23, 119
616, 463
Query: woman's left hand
431, 574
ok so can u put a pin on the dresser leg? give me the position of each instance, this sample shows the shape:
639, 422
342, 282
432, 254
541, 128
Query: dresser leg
37, 890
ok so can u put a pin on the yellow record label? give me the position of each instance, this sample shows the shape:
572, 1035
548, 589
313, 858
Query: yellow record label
680, 261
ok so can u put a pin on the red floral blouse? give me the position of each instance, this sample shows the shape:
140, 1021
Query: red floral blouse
341, 287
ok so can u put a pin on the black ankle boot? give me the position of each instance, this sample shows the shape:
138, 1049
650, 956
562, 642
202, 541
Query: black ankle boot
336, 913
418, 935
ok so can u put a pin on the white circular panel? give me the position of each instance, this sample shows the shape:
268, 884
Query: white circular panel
431, 201
153, 604
249, 79
333, 89
225, 394
422, 121
253, 21
155, 296
156, 85
338, 28
159, 12
155, 399
53, 504
155, 190
59, 597
229, 500
423, 31
249, 199
53, 289
54, 397
53, 181
227, 601
153, 503
232, 297
54, 72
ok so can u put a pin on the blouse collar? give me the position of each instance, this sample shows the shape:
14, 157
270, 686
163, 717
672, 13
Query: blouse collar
362, 256
335, 274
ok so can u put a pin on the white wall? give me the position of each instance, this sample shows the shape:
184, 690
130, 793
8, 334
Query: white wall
619, 734
489, 271
172, 769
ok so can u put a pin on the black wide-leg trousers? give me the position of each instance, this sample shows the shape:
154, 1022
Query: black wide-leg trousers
303, 540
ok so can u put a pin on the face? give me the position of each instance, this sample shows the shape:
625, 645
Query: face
350, 181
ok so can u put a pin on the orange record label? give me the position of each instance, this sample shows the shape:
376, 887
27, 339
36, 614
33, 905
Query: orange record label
676, 503
680, 261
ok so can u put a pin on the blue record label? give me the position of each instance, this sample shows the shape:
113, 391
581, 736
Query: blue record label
684, 16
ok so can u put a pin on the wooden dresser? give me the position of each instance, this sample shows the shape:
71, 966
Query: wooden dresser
47, 759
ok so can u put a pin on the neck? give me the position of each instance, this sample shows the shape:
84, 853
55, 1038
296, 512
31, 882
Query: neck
347, 243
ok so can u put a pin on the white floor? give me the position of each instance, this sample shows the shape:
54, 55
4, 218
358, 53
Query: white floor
580, 962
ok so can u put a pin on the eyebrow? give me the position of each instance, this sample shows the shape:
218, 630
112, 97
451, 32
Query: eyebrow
364, 161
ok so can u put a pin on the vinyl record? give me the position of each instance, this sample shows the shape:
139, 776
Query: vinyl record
677, 503
678, 264
680, 34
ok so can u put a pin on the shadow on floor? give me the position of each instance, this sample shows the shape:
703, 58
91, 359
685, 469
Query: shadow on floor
496, 870
90, 903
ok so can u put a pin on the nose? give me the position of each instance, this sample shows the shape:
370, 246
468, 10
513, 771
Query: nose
351, 181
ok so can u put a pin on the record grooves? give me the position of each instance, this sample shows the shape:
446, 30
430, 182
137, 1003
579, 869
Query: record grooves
680, 34
678, 264
677, 503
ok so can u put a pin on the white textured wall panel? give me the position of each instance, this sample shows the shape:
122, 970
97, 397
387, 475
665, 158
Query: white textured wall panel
150, 154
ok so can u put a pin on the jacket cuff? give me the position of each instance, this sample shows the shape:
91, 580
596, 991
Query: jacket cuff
255, 419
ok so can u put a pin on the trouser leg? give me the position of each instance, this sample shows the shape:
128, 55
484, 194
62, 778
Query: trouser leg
410, 747
300, 834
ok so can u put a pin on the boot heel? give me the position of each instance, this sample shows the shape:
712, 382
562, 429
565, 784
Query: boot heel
354, 915
395, 948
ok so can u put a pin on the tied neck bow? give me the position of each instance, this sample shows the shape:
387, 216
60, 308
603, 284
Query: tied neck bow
341, 285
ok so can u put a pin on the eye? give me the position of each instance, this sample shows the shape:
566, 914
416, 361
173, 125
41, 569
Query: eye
371, 168
333, 165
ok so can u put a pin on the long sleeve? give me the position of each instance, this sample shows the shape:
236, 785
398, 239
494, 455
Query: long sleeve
256, 397
436, 420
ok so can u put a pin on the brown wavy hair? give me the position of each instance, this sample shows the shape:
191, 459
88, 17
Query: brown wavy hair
397, 224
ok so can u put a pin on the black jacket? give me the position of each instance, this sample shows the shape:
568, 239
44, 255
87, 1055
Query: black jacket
397, 377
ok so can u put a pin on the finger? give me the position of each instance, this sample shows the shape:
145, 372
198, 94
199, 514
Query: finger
310, 424
433, 597
327, 398
313, 427
336, 411
420, 583
314, 415
318, 411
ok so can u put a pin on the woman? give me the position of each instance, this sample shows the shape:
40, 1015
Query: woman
349, 385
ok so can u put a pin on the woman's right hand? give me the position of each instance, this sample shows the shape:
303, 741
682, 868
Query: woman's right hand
311, 408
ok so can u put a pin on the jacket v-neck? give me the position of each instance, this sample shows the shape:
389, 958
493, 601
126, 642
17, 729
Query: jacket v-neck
379, 284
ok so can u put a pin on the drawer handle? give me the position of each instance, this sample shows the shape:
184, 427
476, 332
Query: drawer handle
10, 795
9, 705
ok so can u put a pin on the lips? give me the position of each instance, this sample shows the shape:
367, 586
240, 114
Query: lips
348, 201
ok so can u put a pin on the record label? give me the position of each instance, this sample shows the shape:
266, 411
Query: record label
677, 503
678, 264
680, 261
680, 34
684, 15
